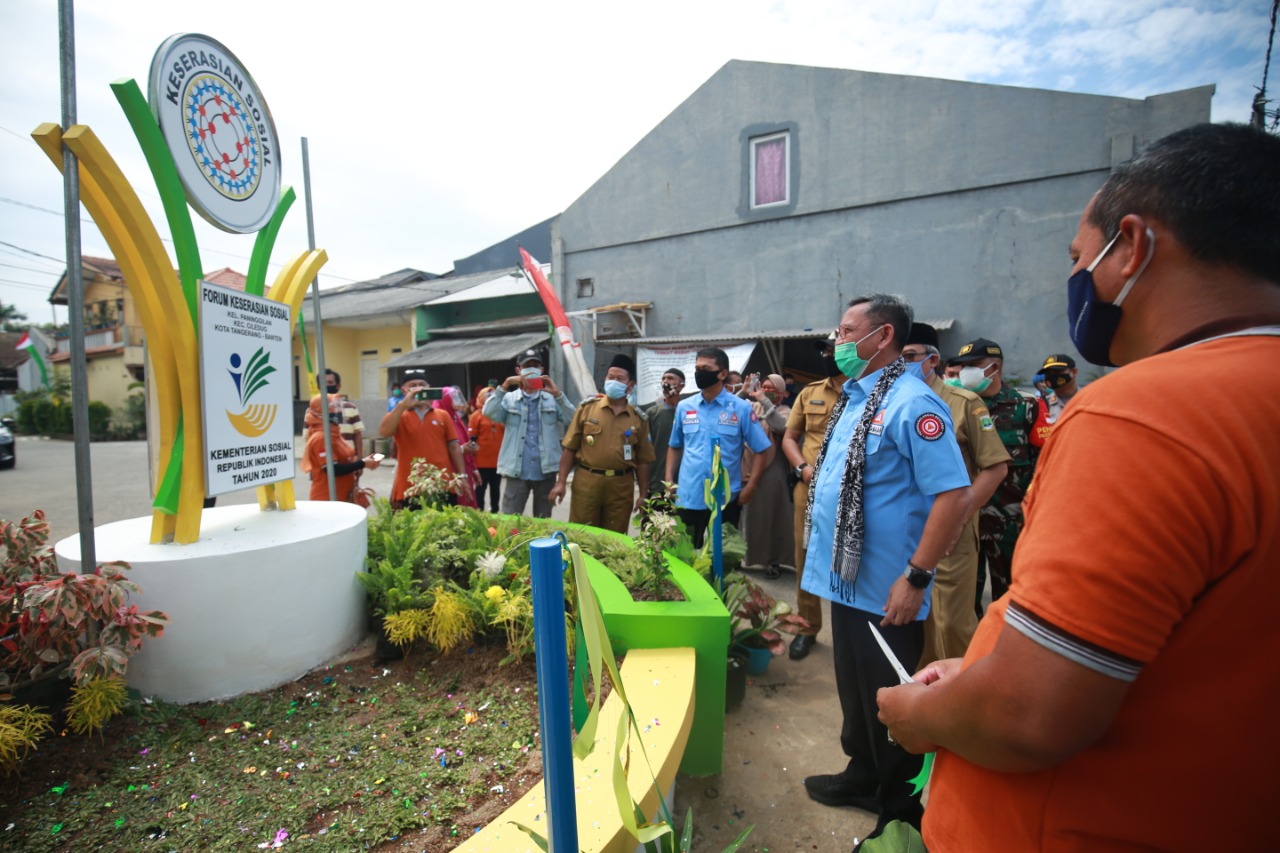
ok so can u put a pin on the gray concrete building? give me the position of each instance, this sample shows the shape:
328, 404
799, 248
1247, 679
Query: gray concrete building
775, 193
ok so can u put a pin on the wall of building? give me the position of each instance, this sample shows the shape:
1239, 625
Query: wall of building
109, 380
963, 197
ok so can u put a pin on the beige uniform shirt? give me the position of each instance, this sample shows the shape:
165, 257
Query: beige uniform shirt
605, 441
980, 443
810, 413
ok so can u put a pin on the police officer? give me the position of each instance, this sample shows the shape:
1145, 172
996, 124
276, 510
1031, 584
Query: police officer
1000, 521
608, 441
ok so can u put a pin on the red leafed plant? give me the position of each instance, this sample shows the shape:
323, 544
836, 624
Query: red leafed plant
51, 620
758, 617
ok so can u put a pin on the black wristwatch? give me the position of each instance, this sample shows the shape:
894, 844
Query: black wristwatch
917, 577
798, 471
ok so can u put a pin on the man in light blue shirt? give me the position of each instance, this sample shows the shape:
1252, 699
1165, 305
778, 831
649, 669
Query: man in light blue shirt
702, 422
887, 501
535, 413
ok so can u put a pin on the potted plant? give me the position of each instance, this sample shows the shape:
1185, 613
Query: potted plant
758, 621
66, 626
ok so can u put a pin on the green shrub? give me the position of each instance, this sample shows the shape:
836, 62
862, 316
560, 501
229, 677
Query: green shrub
99, 420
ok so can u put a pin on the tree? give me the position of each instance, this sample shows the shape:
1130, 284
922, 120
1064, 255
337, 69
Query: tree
11, 319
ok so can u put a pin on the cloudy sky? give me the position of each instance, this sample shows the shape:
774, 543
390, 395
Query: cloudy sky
436, 129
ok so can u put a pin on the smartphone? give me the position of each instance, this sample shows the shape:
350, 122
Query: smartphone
377, 457
534, 384
430, 394
755, 382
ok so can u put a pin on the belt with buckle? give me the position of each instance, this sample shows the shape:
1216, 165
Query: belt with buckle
605, 472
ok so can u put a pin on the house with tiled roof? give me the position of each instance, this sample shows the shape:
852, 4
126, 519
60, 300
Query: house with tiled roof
112, 328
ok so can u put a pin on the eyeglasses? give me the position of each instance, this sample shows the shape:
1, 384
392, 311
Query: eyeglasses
914, 355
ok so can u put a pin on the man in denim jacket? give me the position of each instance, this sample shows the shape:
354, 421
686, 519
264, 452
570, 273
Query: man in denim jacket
535, 413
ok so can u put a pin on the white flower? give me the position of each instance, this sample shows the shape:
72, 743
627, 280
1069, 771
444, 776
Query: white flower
663, 523
490, 565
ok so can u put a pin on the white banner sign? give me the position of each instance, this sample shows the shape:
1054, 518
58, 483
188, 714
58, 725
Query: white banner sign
652, 362
245, 390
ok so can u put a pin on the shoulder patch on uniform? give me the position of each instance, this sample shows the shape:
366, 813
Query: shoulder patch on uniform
755, 419
984, 421
930, 427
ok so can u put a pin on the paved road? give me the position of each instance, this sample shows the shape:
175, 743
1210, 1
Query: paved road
45, 478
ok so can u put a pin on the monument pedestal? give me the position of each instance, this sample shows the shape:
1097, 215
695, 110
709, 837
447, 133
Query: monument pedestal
260, 599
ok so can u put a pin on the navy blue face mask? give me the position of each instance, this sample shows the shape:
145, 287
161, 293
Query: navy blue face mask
1093, 323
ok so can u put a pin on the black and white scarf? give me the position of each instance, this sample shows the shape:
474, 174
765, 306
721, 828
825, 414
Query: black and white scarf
850, 528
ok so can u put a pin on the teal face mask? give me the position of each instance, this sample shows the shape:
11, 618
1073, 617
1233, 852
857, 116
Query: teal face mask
847, 359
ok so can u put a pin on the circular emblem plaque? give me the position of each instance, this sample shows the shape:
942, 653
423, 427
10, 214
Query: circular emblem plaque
219, 132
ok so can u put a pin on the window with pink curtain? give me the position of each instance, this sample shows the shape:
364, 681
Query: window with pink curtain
770, 179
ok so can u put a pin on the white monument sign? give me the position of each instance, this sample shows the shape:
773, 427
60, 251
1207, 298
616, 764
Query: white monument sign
244, 386
219, 130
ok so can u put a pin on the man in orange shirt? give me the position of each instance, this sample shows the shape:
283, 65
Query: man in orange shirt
1120, 696
421, 432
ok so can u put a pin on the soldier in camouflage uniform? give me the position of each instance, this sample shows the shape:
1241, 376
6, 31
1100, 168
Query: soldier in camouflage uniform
1000, 521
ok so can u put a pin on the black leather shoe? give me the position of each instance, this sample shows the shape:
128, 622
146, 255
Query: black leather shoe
801, 645
838, 790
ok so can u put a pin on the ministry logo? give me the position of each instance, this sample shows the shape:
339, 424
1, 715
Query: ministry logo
216, 125
253, 419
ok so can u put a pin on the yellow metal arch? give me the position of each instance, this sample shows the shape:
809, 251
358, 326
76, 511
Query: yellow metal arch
136, 245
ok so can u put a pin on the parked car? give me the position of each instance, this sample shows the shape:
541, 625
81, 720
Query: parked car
8, 443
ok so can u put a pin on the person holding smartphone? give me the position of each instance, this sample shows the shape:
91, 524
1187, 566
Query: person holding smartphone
534, 413
422, 432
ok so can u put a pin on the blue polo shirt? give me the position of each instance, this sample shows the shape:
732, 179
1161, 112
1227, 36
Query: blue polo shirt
698, 425
912, 455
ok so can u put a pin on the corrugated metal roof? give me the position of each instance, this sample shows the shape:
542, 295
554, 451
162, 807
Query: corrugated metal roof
504, 285
758, 335
467, 350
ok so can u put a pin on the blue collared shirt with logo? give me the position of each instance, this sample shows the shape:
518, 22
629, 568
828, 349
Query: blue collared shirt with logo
912, 455
699, 425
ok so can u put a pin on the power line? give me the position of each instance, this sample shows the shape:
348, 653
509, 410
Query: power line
14, 283
27, 269
29, 252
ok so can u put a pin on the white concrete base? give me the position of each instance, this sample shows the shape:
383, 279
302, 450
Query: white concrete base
260, 599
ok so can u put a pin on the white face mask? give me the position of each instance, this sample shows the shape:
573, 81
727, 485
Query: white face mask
975, 379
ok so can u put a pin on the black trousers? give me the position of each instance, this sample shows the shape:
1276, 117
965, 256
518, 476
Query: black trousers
697, 520
861, 670
491, 482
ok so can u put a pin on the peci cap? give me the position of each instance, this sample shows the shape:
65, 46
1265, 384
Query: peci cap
923, 333
1061, 360
528, 356
977, 350
824, 344
624, 361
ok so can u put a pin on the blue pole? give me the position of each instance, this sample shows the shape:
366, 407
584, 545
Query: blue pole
546, 566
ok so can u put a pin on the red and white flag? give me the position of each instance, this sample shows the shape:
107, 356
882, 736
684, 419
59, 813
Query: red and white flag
572, 350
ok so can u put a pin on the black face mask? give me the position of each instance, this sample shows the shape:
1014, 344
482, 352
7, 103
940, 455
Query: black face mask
332, 389
1057, 380
335, 418
829, 366
704, 379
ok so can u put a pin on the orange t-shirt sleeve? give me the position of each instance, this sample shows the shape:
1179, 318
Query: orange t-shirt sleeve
1119, 529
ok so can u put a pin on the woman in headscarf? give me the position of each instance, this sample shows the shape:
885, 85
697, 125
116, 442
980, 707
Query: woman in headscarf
453, 404
345, 463
767, 521
487, 435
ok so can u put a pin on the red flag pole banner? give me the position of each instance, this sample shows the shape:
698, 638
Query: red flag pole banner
572, 350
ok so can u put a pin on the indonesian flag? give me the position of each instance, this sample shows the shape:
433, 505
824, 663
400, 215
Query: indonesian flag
572, 351
34, 353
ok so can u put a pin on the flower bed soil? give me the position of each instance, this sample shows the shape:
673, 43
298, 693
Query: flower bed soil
413, 754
